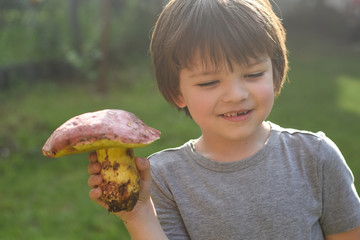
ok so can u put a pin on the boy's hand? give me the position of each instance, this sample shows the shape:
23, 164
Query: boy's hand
95, 179
141, 222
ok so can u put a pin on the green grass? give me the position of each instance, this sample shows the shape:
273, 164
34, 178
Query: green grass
48, 199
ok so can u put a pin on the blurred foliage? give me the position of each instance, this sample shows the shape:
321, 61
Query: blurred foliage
43, 30
32, 32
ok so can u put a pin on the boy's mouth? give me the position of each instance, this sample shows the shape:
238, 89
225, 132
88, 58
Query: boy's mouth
235, 114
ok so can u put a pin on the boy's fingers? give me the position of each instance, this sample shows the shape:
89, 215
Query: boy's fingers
94, 168
93, 157
95, 195
143, 166
94, 180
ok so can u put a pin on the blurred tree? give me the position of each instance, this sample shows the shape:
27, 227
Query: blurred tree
74, 25
12, 4
8, 6
38, 34
102, 86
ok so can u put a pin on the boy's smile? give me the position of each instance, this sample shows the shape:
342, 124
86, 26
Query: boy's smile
237, 115
229, 106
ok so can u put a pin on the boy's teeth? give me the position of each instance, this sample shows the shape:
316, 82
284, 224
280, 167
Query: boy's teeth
235, 114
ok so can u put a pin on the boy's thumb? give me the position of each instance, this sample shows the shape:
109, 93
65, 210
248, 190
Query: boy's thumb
143, 166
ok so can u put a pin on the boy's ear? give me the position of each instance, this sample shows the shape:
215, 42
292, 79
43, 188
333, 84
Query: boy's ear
179, 101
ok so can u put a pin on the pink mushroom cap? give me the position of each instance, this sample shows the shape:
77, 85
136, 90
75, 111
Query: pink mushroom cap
97, 130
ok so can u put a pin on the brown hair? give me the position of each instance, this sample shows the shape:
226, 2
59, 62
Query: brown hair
217, 30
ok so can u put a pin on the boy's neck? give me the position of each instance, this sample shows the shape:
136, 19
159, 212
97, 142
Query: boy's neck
231, 151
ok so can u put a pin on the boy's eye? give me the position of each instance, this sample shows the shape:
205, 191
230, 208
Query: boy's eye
206, 84
254, 75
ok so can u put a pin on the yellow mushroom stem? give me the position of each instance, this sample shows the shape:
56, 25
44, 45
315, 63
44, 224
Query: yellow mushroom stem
121, 181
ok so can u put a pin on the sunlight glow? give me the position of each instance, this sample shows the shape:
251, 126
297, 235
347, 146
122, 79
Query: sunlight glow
349, 94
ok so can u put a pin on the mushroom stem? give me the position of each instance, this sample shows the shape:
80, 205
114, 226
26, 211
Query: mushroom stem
121, 182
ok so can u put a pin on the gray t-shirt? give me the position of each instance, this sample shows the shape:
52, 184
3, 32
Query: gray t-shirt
298, 186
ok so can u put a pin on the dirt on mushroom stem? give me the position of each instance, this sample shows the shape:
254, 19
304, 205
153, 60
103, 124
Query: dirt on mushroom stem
121, 181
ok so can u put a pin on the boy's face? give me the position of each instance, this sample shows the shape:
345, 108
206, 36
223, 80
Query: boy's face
229, 105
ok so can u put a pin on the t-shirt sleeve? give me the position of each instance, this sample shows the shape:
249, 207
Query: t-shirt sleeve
340, 201
166, 209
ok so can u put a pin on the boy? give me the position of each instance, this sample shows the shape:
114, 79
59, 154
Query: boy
222, 62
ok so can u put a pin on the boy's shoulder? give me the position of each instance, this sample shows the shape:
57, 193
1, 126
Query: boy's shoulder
297, 136
170, 155
293, 131
171, 163
316, 143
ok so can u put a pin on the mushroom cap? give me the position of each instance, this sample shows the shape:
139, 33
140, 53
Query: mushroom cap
97, 130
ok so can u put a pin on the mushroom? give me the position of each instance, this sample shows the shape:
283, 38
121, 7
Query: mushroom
112, 134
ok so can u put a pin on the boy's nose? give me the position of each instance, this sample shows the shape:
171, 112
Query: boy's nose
236, 91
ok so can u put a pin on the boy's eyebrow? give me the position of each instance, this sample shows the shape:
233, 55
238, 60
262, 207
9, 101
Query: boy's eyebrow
257, 61
204, 73
213, 72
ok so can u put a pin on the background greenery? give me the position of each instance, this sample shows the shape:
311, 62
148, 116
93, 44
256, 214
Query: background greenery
45, 198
